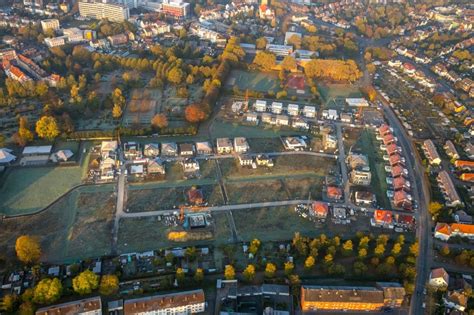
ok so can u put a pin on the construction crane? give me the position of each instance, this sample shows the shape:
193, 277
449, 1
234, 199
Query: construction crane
182, 209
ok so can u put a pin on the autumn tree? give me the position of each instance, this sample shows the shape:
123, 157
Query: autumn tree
229, 272
444, 251
175, 75
194, 113
309, 262
265, 60
254, 246
295, 41
396, 249
117, 111
28, 249
364, 242
109, 284
362, 253
300, 243
180, 275
199, 275
328, 259
261, 43
340, 70
47, 128
85, 282
26, 308
288, 63
249, 272
414, 249
289, 267
9, 303
379, 250
369, 92
270, 270
435, 208
24, 135
47, 291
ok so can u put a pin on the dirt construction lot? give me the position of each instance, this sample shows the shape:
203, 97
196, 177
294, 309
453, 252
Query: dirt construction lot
78, 226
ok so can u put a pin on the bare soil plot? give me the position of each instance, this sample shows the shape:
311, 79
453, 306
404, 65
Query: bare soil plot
77, 227
27, 190
303, 188
166, 198
265, 144
256, 191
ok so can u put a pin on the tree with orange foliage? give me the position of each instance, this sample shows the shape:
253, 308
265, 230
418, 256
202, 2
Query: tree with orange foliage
369, 92
194, 113
159, 121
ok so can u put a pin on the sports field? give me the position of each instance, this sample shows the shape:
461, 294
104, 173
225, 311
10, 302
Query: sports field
254, 81
27, 190
330, 92
78, 226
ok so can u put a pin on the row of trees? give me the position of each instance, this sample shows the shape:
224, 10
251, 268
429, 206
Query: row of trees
339, 70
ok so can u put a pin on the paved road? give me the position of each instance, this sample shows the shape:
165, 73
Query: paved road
342, 163
421, 193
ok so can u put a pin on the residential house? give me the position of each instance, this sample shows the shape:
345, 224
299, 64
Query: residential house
224, 145
60, 156
241, 145
190, 166
393, 293
6, 156
267, 118
467, 177
392, 149
319, 210
329, 141
451, 150
86, 306
309, 111
184, 302
294, 143
293, 110
299, 123
346, 118
395, 160
382, 218
264, 160
400, 183
462, 217
156, 167
464, 165
365, 198
251, 117
334, 193
195, 196
401, 199
389, 139
186, 149
456, 300
132, 150
261, 106
384, 130
431, 152
245, 160
438, 278
330, 114
282, 120
444, 231
203, 148
137, 170
398, 170
277, 107
151, 150
449, 190
169, 149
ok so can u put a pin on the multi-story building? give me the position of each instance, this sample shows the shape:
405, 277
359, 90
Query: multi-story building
73, 34
187, 302
55, 41
175, 8
348, 298
50, 24
100, 10
90, 306
280, 50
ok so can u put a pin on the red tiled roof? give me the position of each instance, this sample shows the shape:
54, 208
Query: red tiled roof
468, 177
320, 208
383, 216
334, 192
392, 148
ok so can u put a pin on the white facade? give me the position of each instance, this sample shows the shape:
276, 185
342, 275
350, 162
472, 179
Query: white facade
99, 10
55, 41
48, 24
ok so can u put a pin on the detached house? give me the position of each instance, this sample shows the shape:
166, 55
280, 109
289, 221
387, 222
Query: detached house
224, 145
439, 278
151, 150
241, 145
203, 148
169, 149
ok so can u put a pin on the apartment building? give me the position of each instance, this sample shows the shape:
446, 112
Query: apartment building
98, 10
176, 8
89, 306
50, 24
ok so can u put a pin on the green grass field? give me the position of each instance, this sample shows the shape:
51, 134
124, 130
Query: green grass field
332, 91
27, 190
254, 81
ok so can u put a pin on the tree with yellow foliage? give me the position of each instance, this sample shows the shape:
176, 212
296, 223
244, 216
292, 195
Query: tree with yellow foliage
414, 249
199, 275
47, 128
109, 284
85, 282
289, 267
229, 272
379, 250
159, 121
180, 275
270, 270
28, 249
117, 111
347, 247
309, 262
328, 259
249, 272
47, 291
362, 253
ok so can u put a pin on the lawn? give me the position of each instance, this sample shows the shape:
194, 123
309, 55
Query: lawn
221, 129
332, 91
284, 165
27, 190
254, 81
78, 226
271, 224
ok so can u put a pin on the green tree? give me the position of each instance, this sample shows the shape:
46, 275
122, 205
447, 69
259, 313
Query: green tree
85, 282
109, 284
191, 253
28, 249
47, 128
249, 273
229, 272
47, 291
360, 268
444, 251
270, 270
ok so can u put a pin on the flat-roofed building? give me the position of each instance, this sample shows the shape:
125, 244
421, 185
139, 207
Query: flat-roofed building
175, 8
100, 10
186, 302
90, 306
50, 24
